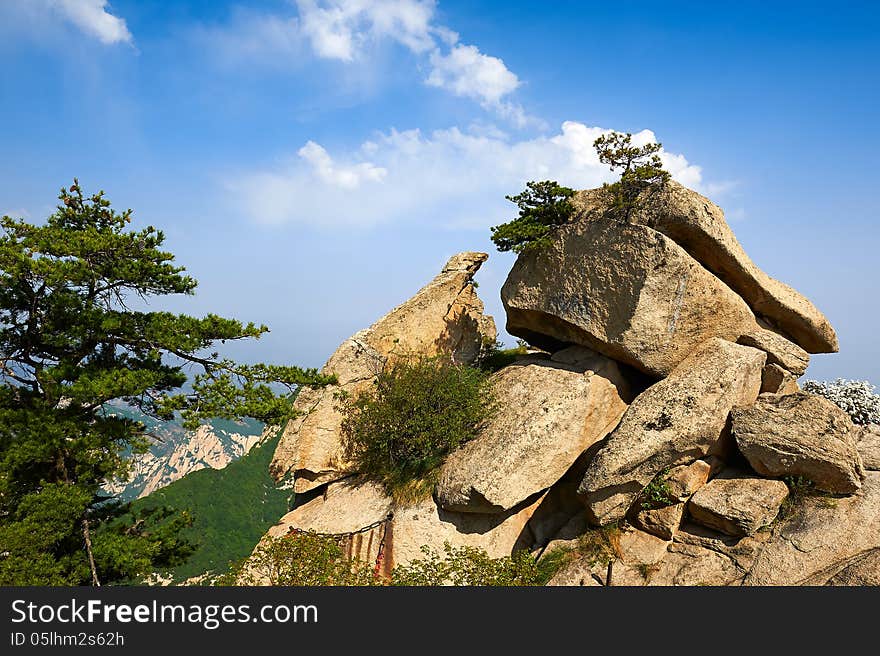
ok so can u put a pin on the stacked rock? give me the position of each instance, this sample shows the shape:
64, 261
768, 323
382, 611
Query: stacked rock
662, 410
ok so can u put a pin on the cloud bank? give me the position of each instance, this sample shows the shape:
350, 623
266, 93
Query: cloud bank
448, 178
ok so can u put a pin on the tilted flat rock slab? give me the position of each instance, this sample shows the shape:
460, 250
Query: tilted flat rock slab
345, 507
800, 434
624, 290
445, 316
427, 524
737, 504
548, 414
673, 422
698, 225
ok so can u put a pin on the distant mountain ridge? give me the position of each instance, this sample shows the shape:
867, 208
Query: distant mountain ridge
177, 451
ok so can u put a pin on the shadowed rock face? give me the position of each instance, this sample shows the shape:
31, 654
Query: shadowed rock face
445, 316
698, 225
628, 292
673, 422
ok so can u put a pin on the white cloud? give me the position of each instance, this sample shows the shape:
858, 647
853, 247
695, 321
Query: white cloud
341, 176
338, 29
448, 178
345, 30
92, 17
38, 17
467, 72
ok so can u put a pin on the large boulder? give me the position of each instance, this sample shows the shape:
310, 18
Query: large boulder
345, 507
626, 291
445, 316
425, 524
698, 225
737, 504
548, 413
800, 434
674, 422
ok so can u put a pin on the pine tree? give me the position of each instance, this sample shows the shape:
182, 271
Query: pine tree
542, 207
70, 342
640, 167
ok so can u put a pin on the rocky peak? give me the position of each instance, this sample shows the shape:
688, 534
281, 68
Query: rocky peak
682, 471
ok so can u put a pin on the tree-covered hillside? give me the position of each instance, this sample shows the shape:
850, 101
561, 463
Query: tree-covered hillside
231, 509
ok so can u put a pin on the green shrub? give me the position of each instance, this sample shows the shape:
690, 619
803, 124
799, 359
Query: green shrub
657, 493
542, 207
495, 357
418, 410
300, 559
468, 566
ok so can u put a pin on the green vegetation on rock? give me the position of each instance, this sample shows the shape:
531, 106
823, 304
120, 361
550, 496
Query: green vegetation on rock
640, 167
418, 410
542, 207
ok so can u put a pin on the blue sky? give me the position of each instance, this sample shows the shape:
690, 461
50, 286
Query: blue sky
313, 163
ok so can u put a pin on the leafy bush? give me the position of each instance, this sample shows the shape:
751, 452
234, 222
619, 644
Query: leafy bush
468, 566
313, 559
542, 207
418, 411
300, 559
855, 397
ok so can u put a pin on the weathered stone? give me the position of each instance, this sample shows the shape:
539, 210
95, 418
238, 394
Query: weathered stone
864, 570
345, 507
549, 414
639, 547
868, 445
662, 522
698, 225
780, 351
352, 506
800, 434
702, 557
737, 504
579, 572
426, 524
445, 316
821, 538
673, 422
681, 482
684, 480
833, 541
624, 290
776, 380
